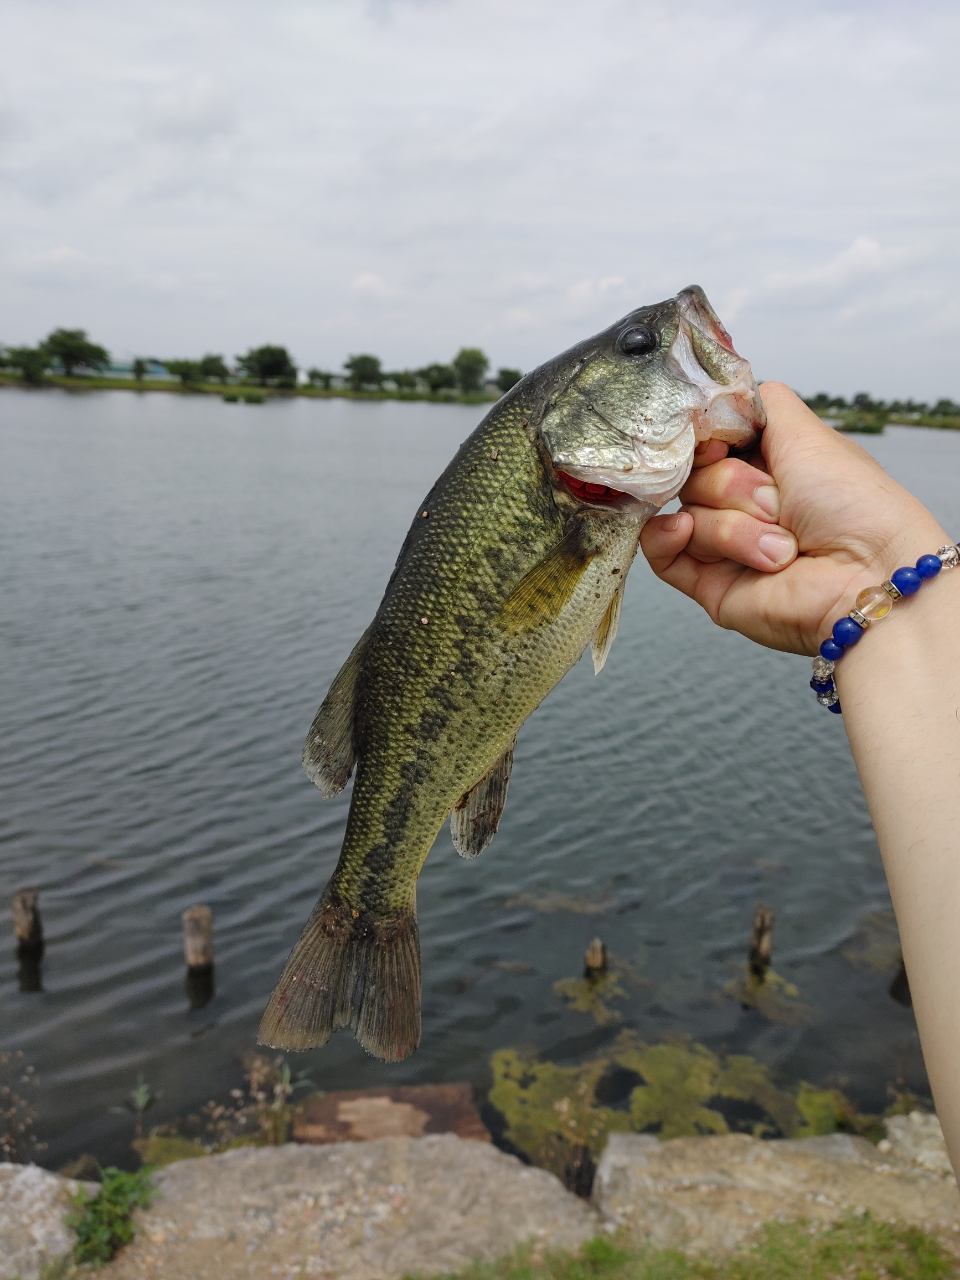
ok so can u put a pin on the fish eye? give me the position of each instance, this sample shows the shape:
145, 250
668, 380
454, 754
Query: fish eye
638, 340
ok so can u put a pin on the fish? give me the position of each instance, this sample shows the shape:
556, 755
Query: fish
514, 564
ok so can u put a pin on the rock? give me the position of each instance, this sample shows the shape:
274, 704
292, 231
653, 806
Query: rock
918, 1140
708, 1194
354, 1211
358, 1115
33, 1204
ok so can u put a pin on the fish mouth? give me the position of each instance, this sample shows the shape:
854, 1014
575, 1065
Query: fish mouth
720, 401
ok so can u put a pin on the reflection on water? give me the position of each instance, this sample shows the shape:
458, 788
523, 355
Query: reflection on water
181, 580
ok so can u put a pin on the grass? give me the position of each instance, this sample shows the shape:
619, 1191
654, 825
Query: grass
103, 1222
855, 1249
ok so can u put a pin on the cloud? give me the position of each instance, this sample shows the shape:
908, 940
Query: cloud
405, 178
190, 113
369, 285
863, 258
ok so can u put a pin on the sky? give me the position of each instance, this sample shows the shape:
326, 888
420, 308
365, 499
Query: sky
406, 177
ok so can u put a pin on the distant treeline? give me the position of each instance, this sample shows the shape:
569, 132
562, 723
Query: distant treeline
69, 353
863, 402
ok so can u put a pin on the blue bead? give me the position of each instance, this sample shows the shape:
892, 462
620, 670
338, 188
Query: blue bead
929, 566
831, 650
835, 709
846, 631
906, 580
821, 686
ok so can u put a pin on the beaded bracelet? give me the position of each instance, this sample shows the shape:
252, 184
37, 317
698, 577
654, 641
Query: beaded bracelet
873, 603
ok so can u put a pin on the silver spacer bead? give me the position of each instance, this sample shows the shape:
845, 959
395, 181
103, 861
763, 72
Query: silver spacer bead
949, 555
822, 668
828, 699
859, 618
891, 590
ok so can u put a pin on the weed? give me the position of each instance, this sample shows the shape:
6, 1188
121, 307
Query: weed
104, 1223
859, 1248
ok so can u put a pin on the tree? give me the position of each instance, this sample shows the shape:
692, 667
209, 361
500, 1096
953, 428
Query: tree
269, 365
31, 362
71, 349
188, 371
364, 371
403, 380
317, 378
507, 378
214, 369
438, 376
470, 365
945, 409
139, 369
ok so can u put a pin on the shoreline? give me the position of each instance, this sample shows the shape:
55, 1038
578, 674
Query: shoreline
241, 390
249, 392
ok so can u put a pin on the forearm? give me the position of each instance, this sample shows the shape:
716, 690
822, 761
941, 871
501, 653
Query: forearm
900, 691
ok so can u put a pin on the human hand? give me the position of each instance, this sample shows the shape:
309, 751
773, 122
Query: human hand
777, 546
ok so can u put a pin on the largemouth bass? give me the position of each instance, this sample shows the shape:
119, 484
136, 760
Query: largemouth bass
515, 562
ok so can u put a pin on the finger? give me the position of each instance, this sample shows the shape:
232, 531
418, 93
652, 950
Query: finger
664, 537
708, 452
734, 485
705, 583
733, 535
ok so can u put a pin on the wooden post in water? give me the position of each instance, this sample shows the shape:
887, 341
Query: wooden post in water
198, 950
595, 959
26, 920
761, 940
198, 937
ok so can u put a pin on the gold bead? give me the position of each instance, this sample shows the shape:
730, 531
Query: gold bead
874, 603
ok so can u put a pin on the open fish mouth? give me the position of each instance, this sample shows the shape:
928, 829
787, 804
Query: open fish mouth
689, 387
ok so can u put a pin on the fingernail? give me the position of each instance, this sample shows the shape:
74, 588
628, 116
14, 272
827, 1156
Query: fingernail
670, 524
767, 498
778, 547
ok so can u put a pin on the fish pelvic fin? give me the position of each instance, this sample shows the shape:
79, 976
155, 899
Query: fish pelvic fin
360, 970
538, 598
328, 753
477, 814
607, 631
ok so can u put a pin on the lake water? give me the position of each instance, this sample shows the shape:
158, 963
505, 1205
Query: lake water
182, 578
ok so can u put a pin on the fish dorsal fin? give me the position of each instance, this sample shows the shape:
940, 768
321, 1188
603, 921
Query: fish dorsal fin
476, 815
607, 631
328, 753
539, 596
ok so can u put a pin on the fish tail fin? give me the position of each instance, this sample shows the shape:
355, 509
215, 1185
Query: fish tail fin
348, 969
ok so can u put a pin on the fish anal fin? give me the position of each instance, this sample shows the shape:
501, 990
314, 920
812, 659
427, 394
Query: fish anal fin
328, 753
607, 631
476, 815
360, 970
539, 596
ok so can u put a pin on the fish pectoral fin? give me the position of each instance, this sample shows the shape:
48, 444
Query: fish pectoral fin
539, 596
607, 631
477, 814
328, 753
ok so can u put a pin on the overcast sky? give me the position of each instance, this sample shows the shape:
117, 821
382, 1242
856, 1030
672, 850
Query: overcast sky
412, 176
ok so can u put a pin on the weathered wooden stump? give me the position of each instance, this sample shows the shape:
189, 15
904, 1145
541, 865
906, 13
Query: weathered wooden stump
761, 940
198, 950
198, 937
26, 920
595, 959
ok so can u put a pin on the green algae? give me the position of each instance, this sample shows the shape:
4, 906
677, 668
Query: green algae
552, 1111
771, 995
875, 946
592, 993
